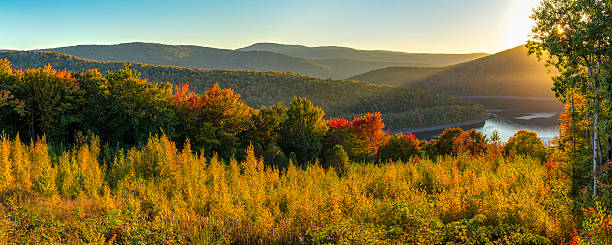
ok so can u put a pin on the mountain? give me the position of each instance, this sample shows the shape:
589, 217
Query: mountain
508, 73
345, 68
333, 52
402, 107
399, 76
196, 57
322, 62
346, 62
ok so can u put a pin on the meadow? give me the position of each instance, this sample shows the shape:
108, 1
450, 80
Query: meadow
160, 194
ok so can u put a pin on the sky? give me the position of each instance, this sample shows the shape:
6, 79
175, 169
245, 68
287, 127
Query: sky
427, 26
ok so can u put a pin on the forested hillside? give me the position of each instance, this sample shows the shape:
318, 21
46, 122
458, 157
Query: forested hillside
508, 73
322, 62
347, 62
333, 52
402, 107
197, 57
399, 76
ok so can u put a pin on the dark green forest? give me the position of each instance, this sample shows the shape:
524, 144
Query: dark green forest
401, 107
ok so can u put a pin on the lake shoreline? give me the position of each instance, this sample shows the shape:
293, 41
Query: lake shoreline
477, 121
510, 97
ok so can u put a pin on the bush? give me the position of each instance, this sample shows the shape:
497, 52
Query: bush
336, 158
527, 143
446, 140
470, 142
400, 147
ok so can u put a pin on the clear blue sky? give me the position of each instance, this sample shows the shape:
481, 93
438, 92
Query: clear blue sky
450, 26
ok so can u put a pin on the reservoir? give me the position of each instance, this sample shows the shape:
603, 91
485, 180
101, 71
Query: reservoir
507, 115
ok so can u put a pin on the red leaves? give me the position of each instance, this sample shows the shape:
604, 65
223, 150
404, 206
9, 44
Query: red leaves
184, 97
367, 128
339, 123
471, 142
370, 127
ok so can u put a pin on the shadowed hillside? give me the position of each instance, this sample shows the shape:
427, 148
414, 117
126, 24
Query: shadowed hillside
347, 62
332, 52
345, 68
196, 57
322, 62
400, 76
508, 73
403, 107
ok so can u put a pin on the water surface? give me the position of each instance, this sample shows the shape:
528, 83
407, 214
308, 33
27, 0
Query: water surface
508, 115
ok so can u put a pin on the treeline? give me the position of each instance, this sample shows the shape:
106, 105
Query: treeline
411, 107
124, 110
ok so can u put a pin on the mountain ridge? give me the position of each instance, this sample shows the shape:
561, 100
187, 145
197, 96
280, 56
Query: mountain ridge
507, 73
326, 62
193, 56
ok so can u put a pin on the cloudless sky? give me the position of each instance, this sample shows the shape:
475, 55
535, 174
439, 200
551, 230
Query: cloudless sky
433, 26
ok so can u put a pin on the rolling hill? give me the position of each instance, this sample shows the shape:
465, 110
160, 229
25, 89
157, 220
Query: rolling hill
346, 62
399, 76
196, 57
345, 68
508, 73
402, 107
333, 52
322, 62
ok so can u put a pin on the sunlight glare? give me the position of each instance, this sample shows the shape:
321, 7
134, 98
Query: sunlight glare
517, 22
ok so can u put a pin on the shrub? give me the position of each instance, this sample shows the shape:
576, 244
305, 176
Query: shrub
336, 158
527, 143
446, 140
400, 147
470, 142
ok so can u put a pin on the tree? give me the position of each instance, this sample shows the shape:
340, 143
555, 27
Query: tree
213, 120
266, 125
336, 158
127, 109
575, 37
446, 140
369, 134
303, 131
12, 112
400, 147
45, 102
527, 143
471, 142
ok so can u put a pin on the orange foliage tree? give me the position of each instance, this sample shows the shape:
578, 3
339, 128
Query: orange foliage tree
211, 121
360, 137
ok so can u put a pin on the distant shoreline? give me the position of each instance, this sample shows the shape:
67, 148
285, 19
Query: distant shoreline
508, 97
441, 126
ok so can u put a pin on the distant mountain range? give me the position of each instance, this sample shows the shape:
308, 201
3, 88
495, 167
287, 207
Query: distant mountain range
508, 73
402, 107
321, 62
333, 52
197, 57
347, 62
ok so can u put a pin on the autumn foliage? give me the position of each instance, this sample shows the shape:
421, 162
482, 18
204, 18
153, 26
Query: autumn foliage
117, 159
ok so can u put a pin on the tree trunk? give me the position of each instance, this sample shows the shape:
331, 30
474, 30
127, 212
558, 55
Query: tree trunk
595, 150
573, 126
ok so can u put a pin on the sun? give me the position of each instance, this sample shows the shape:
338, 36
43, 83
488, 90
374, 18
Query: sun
517, 24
